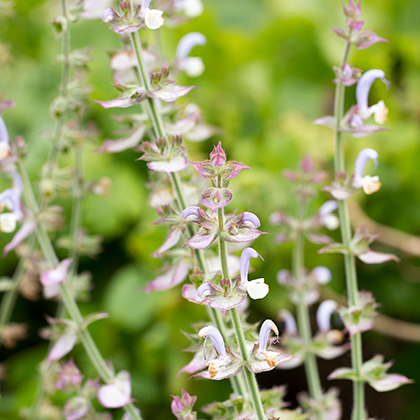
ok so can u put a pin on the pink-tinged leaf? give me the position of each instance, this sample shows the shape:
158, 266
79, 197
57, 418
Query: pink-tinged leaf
216, 198
341, 33
218, 156
331, 352
76, 408
328, 121
258, 365
189, 292
339, 193
244, 235
318, 238
226, 371
198, 362
389, 382
170, 241
27, 228
174, 164
364, 130
173, 276
355, 25
372, 257
366, 39
232, 169
114, 146
56, 275
201, 241
205, 169
171, 92
121, 102
280, 218
117, 393
125, 29
307, 164
342, 373
51, 290
224, 303
62, 346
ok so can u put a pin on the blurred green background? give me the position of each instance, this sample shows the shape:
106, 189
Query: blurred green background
268, 75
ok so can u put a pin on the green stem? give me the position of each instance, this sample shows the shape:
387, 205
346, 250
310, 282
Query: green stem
66, 295
238, 383
239, 332
303, 319
349, 260
76, 211
65, 71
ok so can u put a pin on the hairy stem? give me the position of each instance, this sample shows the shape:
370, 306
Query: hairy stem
238, 383
349, 260
66, 296
303, 319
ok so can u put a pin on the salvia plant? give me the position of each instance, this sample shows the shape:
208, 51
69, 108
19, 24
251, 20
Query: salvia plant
209, 248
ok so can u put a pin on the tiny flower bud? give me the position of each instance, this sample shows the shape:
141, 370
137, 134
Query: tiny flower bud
192, 212
108, 15
322, 274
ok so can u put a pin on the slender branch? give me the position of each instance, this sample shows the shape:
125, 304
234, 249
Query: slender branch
303, 319
66, 295
349, 260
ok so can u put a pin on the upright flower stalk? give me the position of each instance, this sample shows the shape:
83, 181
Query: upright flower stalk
358, 317
143, 78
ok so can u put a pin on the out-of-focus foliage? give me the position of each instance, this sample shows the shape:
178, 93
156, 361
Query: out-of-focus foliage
268, 75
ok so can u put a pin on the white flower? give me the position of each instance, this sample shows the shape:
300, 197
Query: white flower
257, 289
153, 18
192, 8
371, 184
5, 150
7, 222
193, 66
